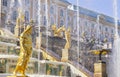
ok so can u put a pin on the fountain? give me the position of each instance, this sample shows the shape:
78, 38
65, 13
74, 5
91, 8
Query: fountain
50, 64
114, 62
9, 13
78, 32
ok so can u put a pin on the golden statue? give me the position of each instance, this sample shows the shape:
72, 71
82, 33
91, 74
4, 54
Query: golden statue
100, 52
67, 37
25, 51
57, 32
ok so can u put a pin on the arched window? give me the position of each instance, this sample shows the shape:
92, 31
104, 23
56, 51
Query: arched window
52, 10
14, 15
26, 15
61, 23
61, 13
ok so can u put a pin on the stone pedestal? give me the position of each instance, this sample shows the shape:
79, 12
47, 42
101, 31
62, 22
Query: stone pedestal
64, 55
100, 69
17, 76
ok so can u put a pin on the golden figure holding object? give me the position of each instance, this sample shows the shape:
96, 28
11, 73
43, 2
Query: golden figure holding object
67, 37
100, 52
57, 32
25, 52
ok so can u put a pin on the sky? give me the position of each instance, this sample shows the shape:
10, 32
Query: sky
100, 6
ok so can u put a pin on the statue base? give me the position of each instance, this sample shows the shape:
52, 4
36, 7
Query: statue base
64, 55
100, 69
17, 76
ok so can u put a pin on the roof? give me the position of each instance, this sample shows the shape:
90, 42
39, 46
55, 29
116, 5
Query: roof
65, 1
94, 14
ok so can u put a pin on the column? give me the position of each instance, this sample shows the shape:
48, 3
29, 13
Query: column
100, 69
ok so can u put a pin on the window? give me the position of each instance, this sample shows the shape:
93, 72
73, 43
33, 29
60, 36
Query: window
106, 29
61, 23
52, 10
52, 21
26, 15
15, 2
44, 7
61, 13
4, 2
14, 15
26, 2
44, 20
68, 18
86, 23
37, 20
68, 21
112, 31
75, 21
99, 27
93, 25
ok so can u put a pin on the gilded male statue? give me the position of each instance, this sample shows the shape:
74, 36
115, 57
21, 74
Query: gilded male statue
25, 51
67, 37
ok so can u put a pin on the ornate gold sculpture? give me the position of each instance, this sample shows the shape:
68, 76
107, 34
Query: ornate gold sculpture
100, 52
25, 51
67, 37
57, 32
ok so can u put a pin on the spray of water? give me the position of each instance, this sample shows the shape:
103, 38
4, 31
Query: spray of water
98, 24
20, 4
78, 30
39, 25
9, 13
114, 62
116, 17
47, 24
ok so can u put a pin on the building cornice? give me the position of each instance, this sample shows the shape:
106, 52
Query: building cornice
61, 2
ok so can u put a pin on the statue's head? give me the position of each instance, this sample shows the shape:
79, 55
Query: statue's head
69, 29
53, 27
105, 40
